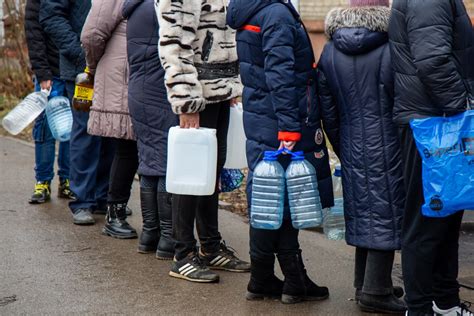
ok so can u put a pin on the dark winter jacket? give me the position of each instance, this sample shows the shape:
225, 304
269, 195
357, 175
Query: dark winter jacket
278, 74
432, 45
149, 108
62, 20
356, 92
44, 56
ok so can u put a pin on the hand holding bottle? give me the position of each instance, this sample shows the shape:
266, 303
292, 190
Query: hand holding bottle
284, 144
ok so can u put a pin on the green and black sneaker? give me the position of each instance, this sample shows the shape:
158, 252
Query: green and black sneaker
42, 193
64, 190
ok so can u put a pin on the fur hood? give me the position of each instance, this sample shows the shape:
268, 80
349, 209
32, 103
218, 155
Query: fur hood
375, 19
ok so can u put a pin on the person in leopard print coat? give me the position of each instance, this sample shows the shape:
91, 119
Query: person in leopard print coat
198, 53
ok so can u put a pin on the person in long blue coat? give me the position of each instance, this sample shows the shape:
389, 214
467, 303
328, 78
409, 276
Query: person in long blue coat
152, 118
356, 92
280, 111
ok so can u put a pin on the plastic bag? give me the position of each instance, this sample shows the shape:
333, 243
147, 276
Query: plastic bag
231, 179
446, 146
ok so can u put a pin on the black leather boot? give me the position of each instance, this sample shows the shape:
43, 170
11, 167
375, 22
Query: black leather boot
382, 304
150, 230
116, 224
397, 291
313, 291
298, 287
263, 282
165, 249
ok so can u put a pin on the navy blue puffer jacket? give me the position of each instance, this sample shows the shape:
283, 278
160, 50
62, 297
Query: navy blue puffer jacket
278, 74
62, 20
356, 91
149, 108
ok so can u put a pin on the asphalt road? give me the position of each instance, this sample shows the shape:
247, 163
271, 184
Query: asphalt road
48, 266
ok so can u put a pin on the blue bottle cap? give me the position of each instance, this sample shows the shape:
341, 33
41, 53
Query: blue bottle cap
270, 156
54, 93
337, 171
297, 156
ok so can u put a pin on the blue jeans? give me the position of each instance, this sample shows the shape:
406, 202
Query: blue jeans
91, 158
45, 145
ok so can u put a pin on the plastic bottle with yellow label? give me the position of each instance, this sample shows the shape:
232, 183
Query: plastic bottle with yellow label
84, 91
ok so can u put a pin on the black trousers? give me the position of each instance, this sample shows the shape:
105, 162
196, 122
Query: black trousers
264, 244
430, 245
122, 173
203, 209
373, 271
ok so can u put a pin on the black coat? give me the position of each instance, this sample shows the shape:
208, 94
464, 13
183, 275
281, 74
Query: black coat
149, 108
356, 92
432, 45
62, 20
278, 73
44, 56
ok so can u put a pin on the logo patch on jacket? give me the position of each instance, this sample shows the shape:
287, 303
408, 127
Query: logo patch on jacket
436, 204
319, 136
319, 154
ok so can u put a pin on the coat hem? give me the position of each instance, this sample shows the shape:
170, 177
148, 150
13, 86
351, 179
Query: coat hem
108, 124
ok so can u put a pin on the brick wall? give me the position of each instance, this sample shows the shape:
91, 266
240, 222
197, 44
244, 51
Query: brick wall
317, 9
314, 12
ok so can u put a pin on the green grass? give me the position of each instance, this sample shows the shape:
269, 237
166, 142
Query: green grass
7, 103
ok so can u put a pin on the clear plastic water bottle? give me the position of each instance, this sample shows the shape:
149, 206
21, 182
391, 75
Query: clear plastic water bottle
303, 193
59, 115
334, 224
25, 112
268, 193
337, 182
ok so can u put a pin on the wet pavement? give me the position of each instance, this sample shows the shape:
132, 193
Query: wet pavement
50, 266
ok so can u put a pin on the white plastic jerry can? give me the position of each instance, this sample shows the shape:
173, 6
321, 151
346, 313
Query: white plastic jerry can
236, 139
192, 161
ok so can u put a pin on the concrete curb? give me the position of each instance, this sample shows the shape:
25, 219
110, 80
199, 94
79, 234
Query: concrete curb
18, 140
467, 227
32, 145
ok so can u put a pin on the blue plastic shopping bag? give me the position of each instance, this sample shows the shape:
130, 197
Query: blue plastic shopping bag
231, 179
446, 145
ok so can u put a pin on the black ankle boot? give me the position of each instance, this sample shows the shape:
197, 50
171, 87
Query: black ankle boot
298, 287
383, 304
116, 224
150, 230
313, 291
263, 282
165, 249
397, 291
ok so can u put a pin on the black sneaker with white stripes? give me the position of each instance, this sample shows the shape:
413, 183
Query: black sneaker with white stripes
225, 259
193, 269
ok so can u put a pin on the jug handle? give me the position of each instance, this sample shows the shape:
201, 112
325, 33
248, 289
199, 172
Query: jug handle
47, 92
282, 151
296, 155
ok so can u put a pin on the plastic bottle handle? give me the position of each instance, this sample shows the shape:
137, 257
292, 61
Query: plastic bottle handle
47, 92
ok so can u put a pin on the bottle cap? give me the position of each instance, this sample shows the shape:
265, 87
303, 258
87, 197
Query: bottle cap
297, 156
337, 171
270, 156
54, 93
